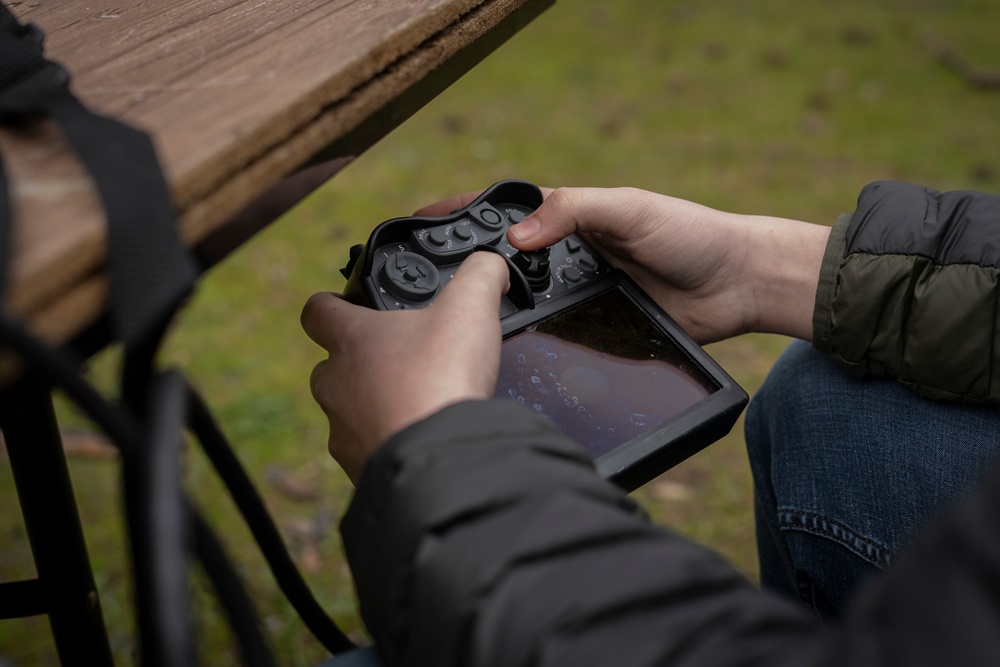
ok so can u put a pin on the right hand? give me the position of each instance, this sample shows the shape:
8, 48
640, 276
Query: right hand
688, 258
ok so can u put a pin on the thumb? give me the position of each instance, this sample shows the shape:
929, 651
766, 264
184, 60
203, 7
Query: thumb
554, 220
477, 287
569, 210
617, 212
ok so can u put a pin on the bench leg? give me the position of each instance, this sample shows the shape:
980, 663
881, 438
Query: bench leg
52, 521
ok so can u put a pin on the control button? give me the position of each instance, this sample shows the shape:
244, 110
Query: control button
458, 241
572, 246
514, 216
410, 276
571, 274
488, 217
438, 237
586, 262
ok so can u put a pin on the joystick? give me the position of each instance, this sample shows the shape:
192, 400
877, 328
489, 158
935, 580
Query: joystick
534, 264
410, 276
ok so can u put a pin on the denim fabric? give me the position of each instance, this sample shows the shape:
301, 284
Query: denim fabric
361, 657
847, 472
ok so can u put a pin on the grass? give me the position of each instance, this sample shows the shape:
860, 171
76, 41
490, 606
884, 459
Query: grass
775, 107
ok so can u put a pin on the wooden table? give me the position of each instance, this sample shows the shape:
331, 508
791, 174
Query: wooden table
237, 95
251, 105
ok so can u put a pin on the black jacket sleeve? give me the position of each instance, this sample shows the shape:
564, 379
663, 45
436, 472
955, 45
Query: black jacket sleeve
481, 537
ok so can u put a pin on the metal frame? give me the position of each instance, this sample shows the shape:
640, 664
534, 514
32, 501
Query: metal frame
64, 589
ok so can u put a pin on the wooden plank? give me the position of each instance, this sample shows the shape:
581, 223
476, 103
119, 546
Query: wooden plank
217, 82
235, 94
58, 231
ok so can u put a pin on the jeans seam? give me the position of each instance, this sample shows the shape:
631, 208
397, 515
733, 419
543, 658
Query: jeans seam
862, 547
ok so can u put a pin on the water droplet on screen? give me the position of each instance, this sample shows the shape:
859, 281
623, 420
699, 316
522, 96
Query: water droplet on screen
521, 358
537, 407
536, 380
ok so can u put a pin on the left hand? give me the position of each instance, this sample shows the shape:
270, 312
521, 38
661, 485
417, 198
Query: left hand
718, 274
388, 370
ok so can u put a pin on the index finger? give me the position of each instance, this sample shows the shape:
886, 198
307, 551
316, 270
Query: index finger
322, 317
446, 206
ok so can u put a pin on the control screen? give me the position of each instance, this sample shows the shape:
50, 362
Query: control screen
602, 371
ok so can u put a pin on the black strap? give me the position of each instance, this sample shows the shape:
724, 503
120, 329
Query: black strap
4, 231
151, 270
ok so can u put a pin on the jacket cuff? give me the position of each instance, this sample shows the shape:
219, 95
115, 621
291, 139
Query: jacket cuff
833, 258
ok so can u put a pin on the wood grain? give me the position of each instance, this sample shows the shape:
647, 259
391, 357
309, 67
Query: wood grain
236, 95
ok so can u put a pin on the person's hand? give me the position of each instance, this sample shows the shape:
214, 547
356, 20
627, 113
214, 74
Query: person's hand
387, 370
718, 274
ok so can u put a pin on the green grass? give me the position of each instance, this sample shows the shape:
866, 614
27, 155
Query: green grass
774, 107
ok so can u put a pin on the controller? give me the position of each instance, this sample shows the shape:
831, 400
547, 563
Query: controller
583, 344
408, 261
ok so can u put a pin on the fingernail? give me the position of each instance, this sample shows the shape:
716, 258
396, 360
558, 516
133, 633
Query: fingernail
527, 228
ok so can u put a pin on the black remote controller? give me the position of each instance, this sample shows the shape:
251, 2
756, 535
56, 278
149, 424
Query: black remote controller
583, 344
417, 257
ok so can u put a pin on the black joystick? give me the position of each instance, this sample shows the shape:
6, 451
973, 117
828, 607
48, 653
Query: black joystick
534, 264
410, 276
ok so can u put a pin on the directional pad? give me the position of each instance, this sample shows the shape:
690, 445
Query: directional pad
410, 276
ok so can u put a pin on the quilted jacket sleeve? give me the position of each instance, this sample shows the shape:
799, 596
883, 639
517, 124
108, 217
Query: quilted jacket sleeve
909, 290
481, 537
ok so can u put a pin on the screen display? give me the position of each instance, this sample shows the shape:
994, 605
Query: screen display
602, 371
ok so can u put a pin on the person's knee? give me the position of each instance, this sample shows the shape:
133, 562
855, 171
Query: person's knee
861, 463
795, 430
795, 395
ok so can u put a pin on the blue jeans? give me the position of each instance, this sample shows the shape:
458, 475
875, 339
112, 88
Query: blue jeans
360, 657
848, 471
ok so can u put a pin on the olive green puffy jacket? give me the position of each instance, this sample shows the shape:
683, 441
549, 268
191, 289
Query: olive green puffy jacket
910, 287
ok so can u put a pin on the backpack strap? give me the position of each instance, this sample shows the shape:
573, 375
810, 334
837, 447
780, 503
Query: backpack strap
151, 270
